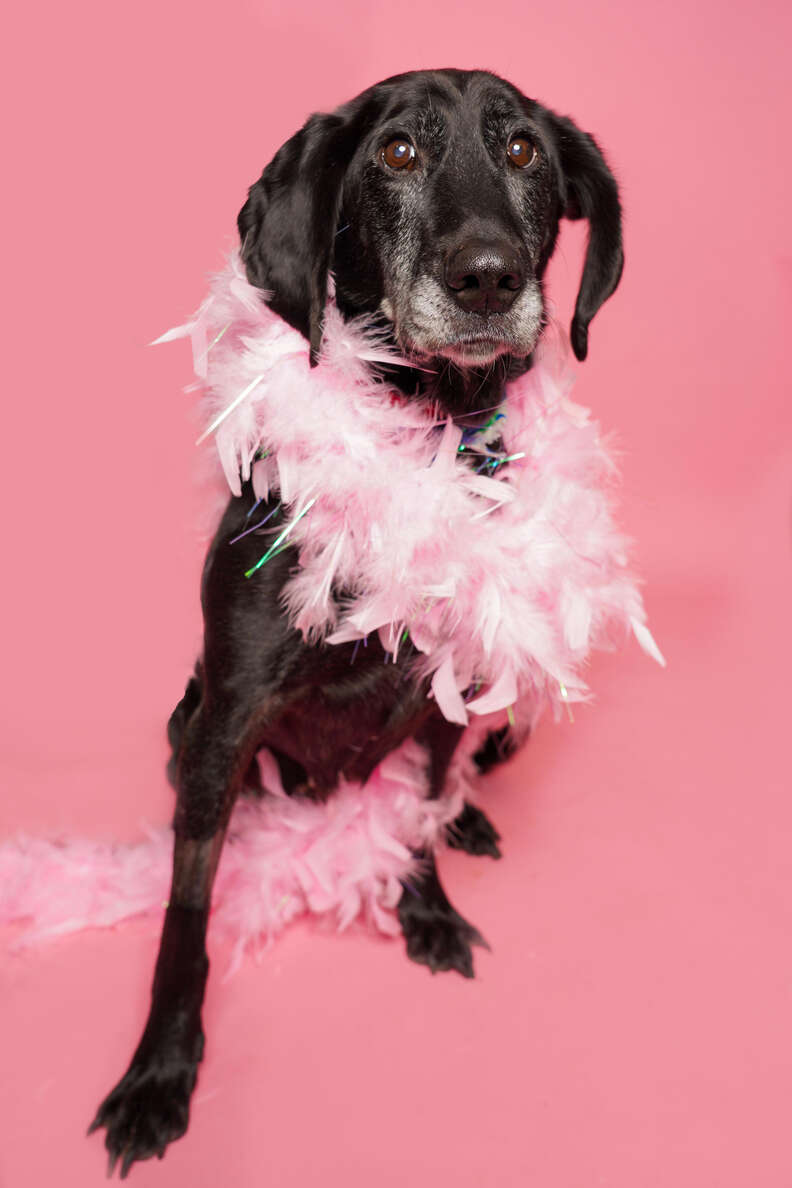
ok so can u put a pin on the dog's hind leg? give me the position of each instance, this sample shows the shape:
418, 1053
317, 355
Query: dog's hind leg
435, 933
498, 747
149, 1108
472, 831
177, 724
179, 719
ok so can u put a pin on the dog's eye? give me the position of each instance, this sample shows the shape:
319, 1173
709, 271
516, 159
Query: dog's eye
398, 154
521, 152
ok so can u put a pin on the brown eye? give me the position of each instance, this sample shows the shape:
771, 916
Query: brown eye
398, 154
521, 152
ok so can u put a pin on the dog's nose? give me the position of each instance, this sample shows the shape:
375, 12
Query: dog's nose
484, 276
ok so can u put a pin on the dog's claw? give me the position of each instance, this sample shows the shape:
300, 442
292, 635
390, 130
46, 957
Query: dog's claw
128, 1160
147, 1110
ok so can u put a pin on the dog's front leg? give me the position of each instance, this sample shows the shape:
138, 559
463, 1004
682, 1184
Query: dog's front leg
435, 933
149, 1108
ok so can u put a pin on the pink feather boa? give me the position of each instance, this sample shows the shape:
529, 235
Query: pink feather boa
284, 857
504, 583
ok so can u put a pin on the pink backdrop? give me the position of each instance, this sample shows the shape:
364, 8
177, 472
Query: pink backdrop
632, 1023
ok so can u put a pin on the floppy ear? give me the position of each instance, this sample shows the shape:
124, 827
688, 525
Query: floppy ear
287, 226
589, 191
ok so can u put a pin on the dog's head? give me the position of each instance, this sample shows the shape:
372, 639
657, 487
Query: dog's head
435, 198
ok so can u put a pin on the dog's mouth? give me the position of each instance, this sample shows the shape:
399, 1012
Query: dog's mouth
433, 333
466, 352
465, 349
468, 343
474, 352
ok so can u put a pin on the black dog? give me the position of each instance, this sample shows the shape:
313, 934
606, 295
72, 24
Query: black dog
435, 198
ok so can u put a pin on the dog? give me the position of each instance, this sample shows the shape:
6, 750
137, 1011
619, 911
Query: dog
434, 198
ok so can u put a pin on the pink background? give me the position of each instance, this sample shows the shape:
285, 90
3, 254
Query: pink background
632, 1023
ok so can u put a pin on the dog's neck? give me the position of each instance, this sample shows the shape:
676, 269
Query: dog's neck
468, 394
471, 394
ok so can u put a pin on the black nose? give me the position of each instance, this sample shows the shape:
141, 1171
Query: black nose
484, 276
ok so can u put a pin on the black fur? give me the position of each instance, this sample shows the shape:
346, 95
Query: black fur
326, 201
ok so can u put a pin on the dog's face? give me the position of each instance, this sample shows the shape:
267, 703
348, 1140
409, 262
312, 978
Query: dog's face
450, 210
435, 198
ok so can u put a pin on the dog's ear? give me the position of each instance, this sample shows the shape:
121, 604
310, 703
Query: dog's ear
588, 190
288, 223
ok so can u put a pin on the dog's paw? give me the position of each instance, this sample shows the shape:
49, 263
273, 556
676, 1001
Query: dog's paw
438, 936
473, 832
498, 747
148, 1109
